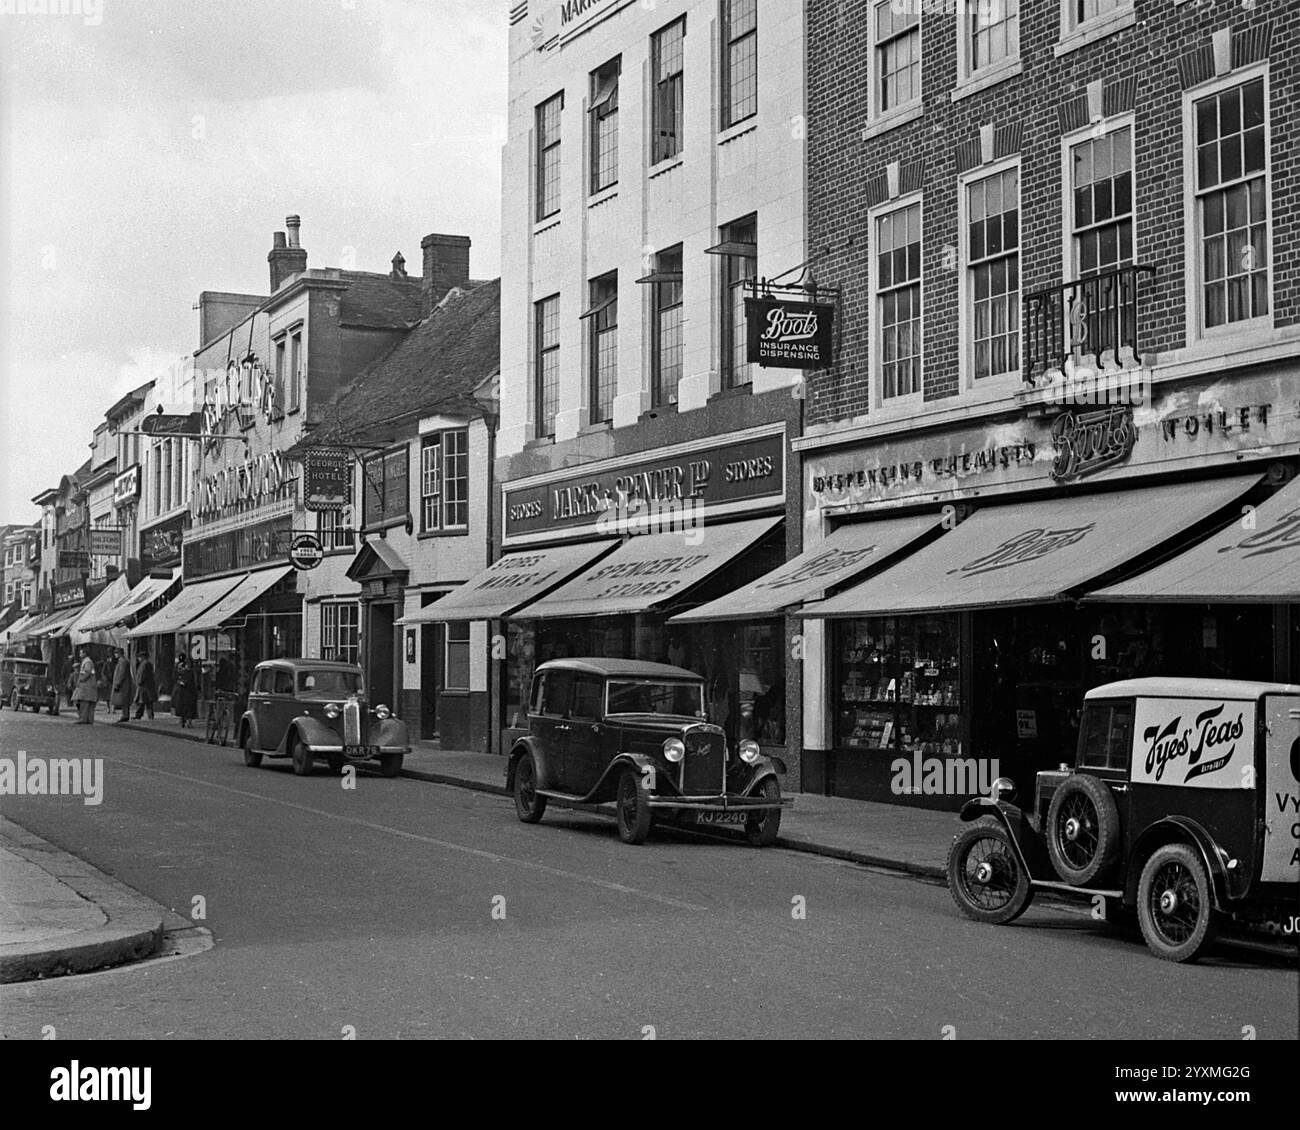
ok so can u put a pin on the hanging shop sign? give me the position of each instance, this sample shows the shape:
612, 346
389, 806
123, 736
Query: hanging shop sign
160, 545
105, 541
126, 487
327, 478
161, 424
737, 472
247, 547
306, 551
73, 559
789, 335
69, 594
241, 486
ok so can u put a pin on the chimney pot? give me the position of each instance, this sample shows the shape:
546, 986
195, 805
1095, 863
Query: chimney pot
277, 240
287, 258
293, 223
399, 266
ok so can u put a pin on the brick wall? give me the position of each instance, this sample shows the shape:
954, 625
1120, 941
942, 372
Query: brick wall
1139, 65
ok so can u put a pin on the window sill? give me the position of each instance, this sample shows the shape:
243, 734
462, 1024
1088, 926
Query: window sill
665, 166
591, 429
891, 121
656, 411
1095, 30
603, 196
983, 79
733, 392
738, 129
551, 221
430, 535
541, 441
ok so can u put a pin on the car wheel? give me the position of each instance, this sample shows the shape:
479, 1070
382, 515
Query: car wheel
302, 758
54, 710
1082, 829
633, 807
985, 877
761, 828
252, 757
1175, 904
528, 805
335, 761
390, 764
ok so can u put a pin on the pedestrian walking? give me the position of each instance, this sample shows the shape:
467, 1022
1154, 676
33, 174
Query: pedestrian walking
122, 689
104, 682
85, 694
184, 693
146, 688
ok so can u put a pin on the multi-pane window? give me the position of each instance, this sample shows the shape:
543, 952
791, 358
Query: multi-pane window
548, 156
898, 54
898, 300
385, 486
294, 378
602, 318
739, 266
333, 533
1232, 204
456, 665
1081, 11
339, 625
279, 376
444, 480
1101, 184
666, 57
604, 126
993, 261
994, 31
167, 477
666, 370
546, 332
430, 482
739, 60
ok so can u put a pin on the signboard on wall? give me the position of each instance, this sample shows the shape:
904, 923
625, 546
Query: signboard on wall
247, 547
784, 334
69, 594
327, 478
106, 541
126, 487
160, 545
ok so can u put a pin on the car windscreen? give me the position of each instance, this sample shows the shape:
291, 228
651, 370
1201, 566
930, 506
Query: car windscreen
328, 684
649, 696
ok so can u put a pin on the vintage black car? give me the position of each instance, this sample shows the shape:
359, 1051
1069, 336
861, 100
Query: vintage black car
1181, 806
303, 709
636, 735
27, 682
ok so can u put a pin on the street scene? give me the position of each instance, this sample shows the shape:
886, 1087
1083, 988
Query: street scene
887, 629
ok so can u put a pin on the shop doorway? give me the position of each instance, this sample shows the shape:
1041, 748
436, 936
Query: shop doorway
380, 666
430, 678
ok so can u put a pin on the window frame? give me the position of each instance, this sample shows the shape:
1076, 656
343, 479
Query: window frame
542, 151
332, 538
728, 42
447, 644
599, 325
731, 303
1195, 330
660, 395
595, 119
912, 107
675, 81
341, 651
541, 353
901, 402
968, 74
293, 385
1000, 382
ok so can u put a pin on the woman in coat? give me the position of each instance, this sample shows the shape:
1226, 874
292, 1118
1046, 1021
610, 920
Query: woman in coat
146, 688
122, 688
85, 693
184, 693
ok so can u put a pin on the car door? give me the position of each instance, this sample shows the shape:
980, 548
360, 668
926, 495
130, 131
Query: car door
259, 705
551, 723
585, 758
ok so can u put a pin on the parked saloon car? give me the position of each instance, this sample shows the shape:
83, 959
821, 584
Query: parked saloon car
1183, 803
309, 708
27, 682
635, 735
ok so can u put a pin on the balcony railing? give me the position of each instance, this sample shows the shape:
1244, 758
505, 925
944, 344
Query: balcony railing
1091, 321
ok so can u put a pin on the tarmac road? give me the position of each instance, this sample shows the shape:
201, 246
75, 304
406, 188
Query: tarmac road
406, 909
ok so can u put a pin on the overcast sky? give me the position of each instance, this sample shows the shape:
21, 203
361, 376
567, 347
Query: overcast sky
150, 155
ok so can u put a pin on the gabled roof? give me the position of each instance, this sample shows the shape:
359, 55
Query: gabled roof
438, 365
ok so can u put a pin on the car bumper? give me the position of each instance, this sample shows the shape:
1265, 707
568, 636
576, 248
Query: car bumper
721, 803
353, 752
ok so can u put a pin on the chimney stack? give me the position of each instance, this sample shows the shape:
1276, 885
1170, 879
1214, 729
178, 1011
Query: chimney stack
446, 265
287, 257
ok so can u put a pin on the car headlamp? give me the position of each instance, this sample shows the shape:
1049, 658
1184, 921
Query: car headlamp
382, 712
332, 710
749, 751
674, 749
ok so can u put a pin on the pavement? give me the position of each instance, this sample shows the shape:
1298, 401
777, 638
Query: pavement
59, 915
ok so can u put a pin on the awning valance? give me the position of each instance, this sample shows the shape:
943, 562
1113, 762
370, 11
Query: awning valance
79, 631
511, 583
1034, 551
838, 558
1255, 559
650, 570
250, 587
144, 594
190, 602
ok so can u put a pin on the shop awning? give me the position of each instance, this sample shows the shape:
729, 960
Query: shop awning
1257, 564
189, 603
58, 624
17, 630
511, 583
27, 629
79, 631
1033, 552
250, 587
143, 595
649, 570
838, 558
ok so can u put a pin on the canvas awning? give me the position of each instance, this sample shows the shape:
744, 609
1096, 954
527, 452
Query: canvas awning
511, 583
58, 624
1255, 559
17, 630
79, 631
838, 558
250, 587
1032, 552
189, 603
143, 595
650, 570
27, 629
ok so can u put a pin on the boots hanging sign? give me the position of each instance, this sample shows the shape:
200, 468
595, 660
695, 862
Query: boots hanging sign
784, 334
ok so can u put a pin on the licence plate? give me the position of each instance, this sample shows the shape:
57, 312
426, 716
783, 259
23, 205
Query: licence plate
360, 751
733, 817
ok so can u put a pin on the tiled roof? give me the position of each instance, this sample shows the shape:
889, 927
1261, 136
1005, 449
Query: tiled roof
379, 301
437, 365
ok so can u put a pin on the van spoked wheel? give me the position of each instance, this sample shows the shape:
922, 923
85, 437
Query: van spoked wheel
1175, 904
985, 878
1082, 829
633, 807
